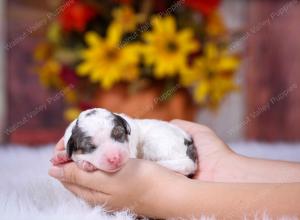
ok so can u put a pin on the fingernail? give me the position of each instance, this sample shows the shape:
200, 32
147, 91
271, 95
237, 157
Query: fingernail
56, 172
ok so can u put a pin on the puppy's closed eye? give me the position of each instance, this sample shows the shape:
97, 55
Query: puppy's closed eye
93, 147
118, 133
88, 148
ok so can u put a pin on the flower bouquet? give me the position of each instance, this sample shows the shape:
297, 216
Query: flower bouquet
162, 51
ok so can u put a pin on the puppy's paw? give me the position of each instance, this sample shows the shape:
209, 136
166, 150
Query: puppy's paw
85, 165
60, 158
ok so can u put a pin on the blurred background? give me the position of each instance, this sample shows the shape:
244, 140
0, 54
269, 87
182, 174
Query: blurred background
232, 65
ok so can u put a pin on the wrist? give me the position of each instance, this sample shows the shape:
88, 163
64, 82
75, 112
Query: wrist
230, 168
162, 192
182, 198
171, 198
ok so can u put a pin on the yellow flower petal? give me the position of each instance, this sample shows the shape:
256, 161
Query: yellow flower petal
228, 64
42, 52
126, 18
71, 114
106, 62
92, 39
201, 92
169, 25
114, 34
156, 24
167, 49
215, 77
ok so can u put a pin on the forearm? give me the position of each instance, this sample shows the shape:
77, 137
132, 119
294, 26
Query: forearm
230, 201
241, 169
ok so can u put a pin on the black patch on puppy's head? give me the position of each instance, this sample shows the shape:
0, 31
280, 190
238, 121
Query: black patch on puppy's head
79, 142
92, 112
121, 129
191, 150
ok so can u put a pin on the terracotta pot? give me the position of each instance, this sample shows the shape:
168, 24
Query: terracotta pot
149, 102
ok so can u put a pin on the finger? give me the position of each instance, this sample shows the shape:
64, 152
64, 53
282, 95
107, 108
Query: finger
59, 146
85, 165
91, 196
60, 158
70, 173
190, 127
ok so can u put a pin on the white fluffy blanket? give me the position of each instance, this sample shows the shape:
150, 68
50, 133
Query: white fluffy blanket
27, 192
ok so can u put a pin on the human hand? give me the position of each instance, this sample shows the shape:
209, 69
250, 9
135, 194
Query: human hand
213, 153
217, 163
214, 156
141, 186
60, 155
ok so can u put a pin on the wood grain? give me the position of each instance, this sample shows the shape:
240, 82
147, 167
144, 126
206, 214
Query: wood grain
273, 78
27, 121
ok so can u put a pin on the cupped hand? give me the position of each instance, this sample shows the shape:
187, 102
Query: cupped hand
212, 152
139, 184
60, 155
136, 186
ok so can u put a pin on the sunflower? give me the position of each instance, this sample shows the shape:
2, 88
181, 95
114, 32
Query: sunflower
49, 73
218, 60
106, 62
212, 91
42, 52
166, 48
71, 113
126, 18
212, 74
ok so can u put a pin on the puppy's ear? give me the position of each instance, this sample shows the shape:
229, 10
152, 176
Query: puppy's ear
124, 123
71, 146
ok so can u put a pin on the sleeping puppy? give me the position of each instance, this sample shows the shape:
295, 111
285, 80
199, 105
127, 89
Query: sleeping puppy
100, 139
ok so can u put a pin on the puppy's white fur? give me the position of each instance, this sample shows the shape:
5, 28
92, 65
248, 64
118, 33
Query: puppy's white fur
149, 139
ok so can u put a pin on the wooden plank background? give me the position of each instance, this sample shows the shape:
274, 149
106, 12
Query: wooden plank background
273, 71
25, 94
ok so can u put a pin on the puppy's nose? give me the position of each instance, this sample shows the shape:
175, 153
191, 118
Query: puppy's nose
114, 159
